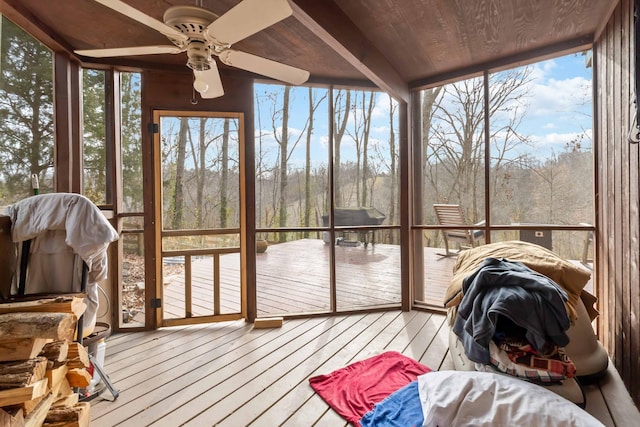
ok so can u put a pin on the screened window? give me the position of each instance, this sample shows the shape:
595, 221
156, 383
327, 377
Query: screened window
26, 115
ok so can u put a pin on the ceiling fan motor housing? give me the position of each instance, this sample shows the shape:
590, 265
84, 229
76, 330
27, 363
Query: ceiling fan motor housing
191, 21
199, 55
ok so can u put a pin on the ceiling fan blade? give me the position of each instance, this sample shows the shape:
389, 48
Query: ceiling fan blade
211, 78
129, 51
143, 18
247, 18
266, 67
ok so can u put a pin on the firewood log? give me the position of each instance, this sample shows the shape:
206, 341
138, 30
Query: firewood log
57, 326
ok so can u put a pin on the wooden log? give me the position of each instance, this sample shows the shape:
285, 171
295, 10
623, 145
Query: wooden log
57, 326
36, 418
74, 416
65, 388
11, 417
30, 405
66, 400
14, 396
56, 351
57, 377
78, 356
72, 304
21, 348
22, 373
79, 377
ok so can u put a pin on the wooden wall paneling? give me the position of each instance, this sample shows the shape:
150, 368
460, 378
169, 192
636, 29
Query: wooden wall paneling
634, 234
618, 265
599, 125
606, 238
625, 257
610, 230
605, 225
617, 250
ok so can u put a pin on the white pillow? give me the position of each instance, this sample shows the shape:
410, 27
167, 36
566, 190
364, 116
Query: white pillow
461, 398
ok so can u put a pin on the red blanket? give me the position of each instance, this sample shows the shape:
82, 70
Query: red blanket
352, 391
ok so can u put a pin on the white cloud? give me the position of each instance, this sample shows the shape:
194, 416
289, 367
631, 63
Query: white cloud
542, 70
558, 140
383, 129
560, 96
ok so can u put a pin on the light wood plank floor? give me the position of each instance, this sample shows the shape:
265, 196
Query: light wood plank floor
229, 374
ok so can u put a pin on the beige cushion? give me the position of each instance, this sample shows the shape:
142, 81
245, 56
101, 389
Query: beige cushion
570, 277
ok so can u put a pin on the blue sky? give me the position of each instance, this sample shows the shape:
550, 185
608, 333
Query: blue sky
558, 108
560, 105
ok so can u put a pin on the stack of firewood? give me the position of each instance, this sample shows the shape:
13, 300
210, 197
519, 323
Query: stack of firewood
40, 364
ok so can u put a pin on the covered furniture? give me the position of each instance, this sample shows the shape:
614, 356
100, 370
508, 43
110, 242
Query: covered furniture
63, 232
449, 214
526, 288
345, 217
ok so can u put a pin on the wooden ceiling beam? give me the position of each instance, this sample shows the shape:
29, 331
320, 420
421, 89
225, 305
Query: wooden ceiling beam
517, 60
23, 18
327, 21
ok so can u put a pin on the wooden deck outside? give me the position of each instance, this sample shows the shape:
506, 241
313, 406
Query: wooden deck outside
229, 374
293, 278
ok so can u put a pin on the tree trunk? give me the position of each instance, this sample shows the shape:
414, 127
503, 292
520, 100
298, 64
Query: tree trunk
178, 195
307, 166
339, 130
224, 179
284, 150
392, 171
201, 173
365, 144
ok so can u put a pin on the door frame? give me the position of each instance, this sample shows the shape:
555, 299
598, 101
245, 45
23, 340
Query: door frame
157, 223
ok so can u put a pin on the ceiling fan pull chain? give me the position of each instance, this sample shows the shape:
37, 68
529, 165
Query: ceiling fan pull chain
194, 100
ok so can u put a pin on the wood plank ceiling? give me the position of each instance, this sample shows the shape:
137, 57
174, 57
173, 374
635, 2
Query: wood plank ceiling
394, 44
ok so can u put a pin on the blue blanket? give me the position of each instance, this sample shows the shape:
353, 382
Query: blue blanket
401, 409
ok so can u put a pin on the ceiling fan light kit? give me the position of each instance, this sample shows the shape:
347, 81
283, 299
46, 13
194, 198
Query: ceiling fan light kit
202, 34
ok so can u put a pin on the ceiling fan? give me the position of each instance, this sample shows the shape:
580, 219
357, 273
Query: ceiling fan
203, 34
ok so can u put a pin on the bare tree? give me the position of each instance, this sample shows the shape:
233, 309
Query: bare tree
362, 110
454, 145
224, 179
200, 171
178, 192
313, 105
286, 146
392, 165
340, 116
